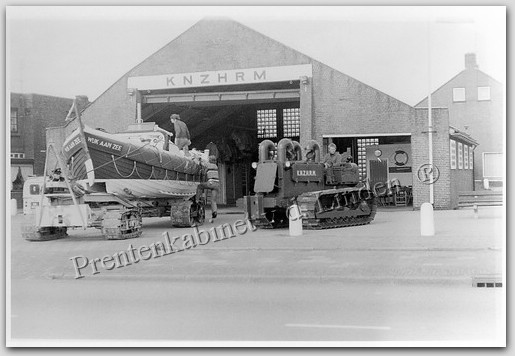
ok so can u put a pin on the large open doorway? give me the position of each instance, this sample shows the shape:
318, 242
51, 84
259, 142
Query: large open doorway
384, 162
234, 120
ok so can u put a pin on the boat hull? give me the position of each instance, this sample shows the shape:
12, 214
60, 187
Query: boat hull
116, 158
131, 189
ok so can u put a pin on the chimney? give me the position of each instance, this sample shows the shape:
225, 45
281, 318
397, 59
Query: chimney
470, 61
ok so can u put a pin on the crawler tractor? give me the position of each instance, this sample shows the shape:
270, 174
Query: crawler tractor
327, 197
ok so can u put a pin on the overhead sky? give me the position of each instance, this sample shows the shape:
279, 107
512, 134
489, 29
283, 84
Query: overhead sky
68, 51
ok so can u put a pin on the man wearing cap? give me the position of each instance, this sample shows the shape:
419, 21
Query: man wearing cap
332, 158
57, 175
182, 134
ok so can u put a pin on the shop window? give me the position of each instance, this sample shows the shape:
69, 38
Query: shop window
291, 122
465, 156
460, 155
483, 93
267, 123
453, 154
362, 154
458, 94
14, 120
471, 157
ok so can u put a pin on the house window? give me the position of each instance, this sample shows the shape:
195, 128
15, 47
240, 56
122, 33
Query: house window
471, 157
465, 156
458, 94
17, 155
291, 122
453, 154
267, 123
14, 120
483, 93
460, 155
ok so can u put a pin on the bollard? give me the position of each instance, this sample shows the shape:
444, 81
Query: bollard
295, 218
427, 223
14, 207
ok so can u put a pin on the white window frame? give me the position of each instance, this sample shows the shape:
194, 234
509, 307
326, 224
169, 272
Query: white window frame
453, 154
483, 94
465, 156
459, 95
267, 123
460, 155
15, 122
471, 157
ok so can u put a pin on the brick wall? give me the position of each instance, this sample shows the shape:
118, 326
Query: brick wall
343, 105
23, 140
420, 152
47, 111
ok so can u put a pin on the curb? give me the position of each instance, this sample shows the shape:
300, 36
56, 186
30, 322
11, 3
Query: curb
445, 281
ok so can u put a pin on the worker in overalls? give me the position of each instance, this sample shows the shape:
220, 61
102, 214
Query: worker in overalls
212, 183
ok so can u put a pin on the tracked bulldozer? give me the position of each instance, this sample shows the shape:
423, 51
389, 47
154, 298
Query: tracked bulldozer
326, 197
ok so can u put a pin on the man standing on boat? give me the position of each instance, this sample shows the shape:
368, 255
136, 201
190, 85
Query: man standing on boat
212, 184
182, 134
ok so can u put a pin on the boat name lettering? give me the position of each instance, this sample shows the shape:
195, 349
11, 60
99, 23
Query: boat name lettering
305, 173
72, 144
106, 144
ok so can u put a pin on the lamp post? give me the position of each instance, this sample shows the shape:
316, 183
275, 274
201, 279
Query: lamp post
430, 116
427, 224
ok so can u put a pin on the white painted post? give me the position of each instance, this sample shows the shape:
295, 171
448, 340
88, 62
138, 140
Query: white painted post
427, 223
295, 220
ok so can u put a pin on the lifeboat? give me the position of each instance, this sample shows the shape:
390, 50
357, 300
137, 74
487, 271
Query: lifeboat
141, 162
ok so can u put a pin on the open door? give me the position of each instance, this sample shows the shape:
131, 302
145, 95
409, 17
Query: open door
378, 172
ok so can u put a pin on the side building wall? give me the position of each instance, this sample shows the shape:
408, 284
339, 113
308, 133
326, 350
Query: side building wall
441, 151
47, 111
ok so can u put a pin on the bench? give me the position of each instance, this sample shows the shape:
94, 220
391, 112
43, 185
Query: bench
479, 198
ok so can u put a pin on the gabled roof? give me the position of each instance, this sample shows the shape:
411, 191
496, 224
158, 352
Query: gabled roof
303, 57
453, 78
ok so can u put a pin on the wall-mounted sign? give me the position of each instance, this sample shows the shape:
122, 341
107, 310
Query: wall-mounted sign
222, 77
400, 158
402, 169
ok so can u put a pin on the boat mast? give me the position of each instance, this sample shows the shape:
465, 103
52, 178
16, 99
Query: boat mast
88, 163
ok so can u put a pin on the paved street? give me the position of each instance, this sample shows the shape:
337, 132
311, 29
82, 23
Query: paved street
181, 311
379, 282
